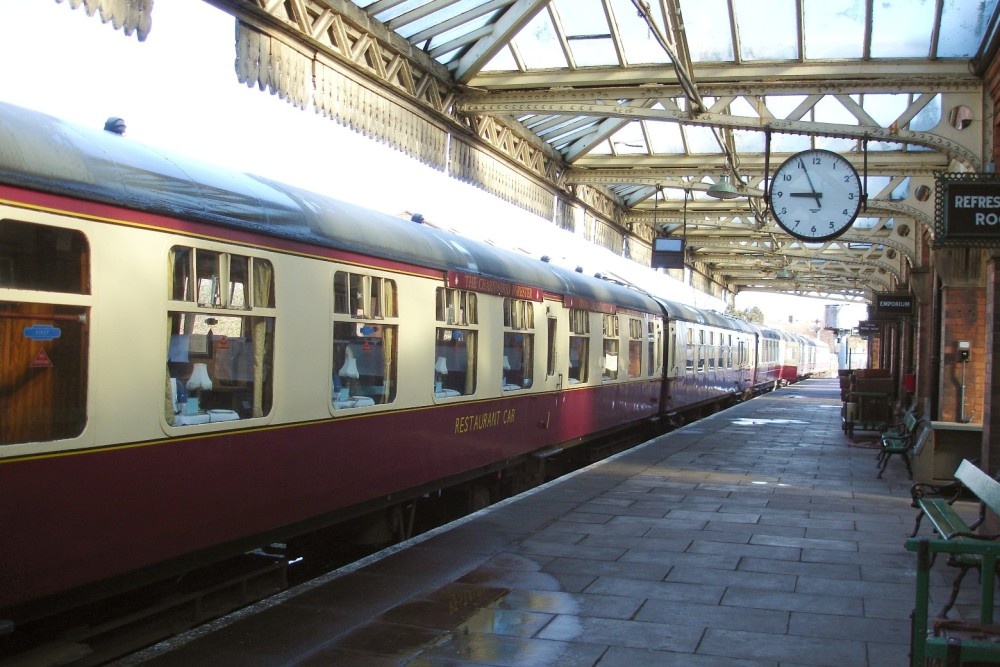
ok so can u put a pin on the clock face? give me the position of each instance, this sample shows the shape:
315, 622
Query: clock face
815, 195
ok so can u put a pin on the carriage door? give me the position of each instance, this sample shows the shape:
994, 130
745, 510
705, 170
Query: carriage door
44, 277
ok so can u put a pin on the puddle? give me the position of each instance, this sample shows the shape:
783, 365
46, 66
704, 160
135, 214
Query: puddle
745, 421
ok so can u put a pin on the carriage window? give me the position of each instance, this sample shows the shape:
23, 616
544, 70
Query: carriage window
654, 336
220, 280
363, 296
45, 352
219, 364
518, 344
43, 258
550, 362
690, 350
455, 347
365, 340
611, 343
579, 345
634, 347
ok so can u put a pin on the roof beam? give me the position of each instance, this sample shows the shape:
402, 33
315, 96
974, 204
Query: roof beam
504, 30
880, 75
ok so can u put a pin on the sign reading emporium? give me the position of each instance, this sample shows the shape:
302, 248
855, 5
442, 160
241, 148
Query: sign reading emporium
967, 210
891, 305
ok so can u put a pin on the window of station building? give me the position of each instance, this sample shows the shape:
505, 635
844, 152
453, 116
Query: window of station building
44, 342
634, 347
579, 346
611, 344
455, 345
518, 344
365, 340
219, 364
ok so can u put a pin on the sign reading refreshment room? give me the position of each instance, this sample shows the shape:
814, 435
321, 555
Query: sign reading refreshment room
967, 210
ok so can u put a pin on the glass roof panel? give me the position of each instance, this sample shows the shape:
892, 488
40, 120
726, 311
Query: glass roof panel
537, 44
749, 141
701, 140
767, 35
789, 143
581, 17
901, 191
593, 52
928, 117
830, 110
837, 144
448, 35
638, 41
603, 148
503, 61
629, 140
902, 28
708, 29
393, 11
963, 25
885, 108
834, 28
664, 137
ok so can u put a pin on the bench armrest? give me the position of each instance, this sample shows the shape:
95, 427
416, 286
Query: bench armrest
920, 489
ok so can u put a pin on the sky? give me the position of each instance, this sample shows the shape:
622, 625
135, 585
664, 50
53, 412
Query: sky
178, 91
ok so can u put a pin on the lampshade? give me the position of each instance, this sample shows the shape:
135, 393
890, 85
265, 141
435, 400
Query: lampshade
350, 367
199, 378
785, 274
506, 363
441, 366
723, 189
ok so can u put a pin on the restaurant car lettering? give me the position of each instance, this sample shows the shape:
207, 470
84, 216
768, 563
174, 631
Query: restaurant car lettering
483, 420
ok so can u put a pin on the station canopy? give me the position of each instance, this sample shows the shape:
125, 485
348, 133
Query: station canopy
639, 108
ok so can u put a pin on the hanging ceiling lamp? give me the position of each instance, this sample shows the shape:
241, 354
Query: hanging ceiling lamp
723, 188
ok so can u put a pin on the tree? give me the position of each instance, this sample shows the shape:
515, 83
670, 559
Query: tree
754, 314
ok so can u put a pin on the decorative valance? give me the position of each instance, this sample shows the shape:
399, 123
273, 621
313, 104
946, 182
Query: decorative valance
364, 110
476, 166
270, 64
128, 15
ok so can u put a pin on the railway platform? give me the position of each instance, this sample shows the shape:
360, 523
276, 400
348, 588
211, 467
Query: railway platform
757, 537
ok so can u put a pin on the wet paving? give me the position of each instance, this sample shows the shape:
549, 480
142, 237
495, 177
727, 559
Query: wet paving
757, 537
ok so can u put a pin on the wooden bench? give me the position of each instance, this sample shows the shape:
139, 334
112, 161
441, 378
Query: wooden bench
939, 510
954, 642
901, 439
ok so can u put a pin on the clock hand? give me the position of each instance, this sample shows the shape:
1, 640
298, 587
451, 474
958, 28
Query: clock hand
813, 195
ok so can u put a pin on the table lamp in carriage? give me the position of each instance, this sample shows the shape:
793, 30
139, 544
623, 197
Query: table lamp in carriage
349, 373
198, 382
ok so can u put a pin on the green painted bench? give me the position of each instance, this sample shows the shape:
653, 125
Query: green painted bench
901, 440
950, 526
954, 642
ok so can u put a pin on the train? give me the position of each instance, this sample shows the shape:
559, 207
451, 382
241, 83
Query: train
197, 362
